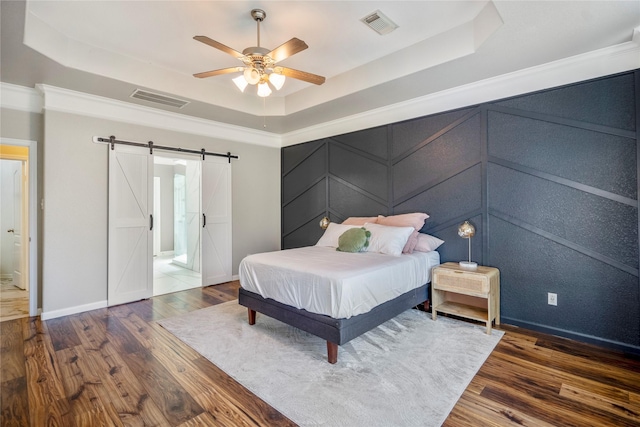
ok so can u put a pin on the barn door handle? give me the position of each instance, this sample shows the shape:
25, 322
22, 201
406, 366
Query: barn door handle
150, 221
11, 230
204, 220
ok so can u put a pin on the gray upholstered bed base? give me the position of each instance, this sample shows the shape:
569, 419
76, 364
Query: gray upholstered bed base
335, 331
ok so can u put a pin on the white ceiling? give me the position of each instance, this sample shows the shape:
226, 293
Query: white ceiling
109, 48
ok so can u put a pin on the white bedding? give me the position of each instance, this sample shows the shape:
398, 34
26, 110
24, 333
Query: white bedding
337, 284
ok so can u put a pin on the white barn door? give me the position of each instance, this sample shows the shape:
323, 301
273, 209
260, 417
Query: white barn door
130, 271
216, 220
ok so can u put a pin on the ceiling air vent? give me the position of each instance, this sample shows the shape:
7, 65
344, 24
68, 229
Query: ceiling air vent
158, 99
380, 23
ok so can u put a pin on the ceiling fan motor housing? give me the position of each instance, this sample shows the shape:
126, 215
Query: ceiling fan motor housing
258, 63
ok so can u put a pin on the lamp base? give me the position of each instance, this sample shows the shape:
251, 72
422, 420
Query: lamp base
469, 265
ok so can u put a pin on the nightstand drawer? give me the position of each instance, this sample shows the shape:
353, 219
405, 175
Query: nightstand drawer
460, 281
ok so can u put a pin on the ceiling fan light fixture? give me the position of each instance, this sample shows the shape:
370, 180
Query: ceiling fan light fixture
263, 90
252, 75
241, 83
259, 62
277, 80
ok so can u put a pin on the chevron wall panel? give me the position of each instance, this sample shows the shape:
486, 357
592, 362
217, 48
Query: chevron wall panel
549, 179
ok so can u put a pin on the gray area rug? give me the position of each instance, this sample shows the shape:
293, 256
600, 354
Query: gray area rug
409, 371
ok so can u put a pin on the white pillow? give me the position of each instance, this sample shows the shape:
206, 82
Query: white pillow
332, 233
387, 239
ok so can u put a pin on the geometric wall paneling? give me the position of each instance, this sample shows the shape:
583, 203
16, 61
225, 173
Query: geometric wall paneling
601, 226
304, 208
294, 154
407, 135
346, 200
604, 161
597, 300
607, 102
306, 235
549, 179
359, 169
308, 172
454, 199
449, 153
372, 141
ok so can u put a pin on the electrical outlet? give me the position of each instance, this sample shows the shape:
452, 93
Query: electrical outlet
552, 299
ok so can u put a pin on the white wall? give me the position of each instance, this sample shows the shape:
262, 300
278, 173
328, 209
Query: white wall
28, 126
75, 203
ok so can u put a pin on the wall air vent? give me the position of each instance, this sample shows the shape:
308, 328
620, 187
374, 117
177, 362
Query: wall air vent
158, 99
379, 22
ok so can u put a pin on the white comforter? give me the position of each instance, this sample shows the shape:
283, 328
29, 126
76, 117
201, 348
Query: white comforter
337, 284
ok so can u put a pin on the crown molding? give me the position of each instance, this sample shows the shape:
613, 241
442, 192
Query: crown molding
602, 62
21, 98
590, 65
69, 101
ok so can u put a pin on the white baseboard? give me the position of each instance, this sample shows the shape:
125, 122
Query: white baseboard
72, 310
236, 277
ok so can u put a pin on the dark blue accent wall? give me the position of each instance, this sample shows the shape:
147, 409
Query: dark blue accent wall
550, 180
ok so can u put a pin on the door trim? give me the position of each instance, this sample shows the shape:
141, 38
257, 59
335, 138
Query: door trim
33, 218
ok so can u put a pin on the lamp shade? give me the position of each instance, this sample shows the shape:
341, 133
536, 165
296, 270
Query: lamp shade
240, 82
263, 89
324, 223
466, 230
252, 75
277, 80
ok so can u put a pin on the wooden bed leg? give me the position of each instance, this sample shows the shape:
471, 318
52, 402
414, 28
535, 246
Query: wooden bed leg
252, 316
332, 352
426, 305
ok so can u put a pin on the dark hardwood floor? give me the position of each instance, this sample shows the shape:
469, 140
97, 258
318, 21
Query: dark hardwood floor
117, 367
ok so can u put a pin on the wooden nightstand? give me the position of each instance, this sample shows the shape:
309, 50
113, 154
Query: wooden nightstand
474, 294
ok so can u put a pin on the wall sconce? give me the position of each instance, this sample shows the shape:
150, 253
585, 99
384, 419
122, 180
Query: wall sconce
324, 223
466, 230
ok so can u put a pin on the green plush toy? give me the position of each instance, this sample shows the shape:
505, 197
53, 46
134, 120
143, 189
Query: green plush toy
354, 240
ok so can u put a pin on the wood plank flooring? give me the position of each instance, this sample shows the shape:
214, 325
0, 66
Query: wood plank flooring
116, 367
14, 302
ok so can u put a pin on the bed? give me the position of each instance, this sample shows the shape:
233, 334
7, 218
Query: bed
334, 295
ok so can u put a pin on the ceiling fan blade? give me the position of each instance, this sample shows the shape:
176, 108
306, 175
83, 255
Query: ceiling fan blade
302, 75
287, 49
218, 72
220, 46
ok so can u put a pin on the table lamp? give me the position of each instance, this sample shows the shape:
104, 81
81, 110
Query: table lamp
466, 230
324, 223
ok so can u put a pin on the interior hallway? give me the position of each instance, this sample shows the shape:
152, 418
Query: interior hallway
14, 302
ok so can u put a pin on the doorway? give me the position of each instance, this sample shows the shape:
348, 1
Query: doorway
18, 285
176, 260
203, 221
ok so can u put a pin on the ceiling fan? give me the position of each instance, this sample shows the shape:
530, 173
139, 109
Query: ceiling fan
260, 64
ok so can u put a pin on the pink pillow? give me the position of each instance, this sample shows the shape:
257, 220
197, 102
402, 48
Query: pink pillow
415, 220
427, 243
359, 220
411, 243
